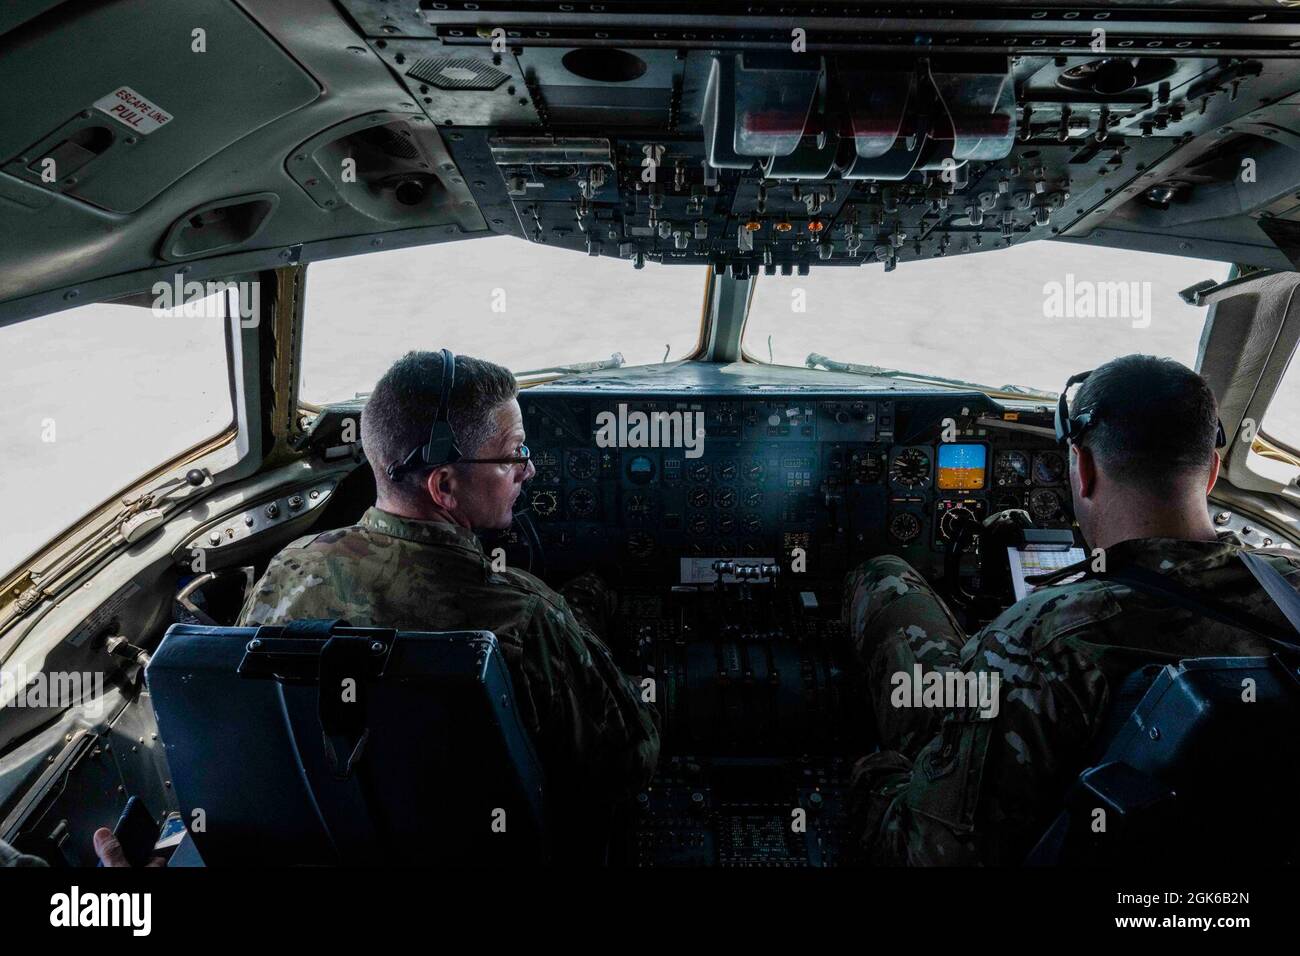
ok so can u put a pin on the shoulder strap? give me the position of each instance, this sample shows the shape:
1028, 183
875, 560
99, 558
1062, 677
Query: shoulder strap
1160, 585
1124, 700
1276, 586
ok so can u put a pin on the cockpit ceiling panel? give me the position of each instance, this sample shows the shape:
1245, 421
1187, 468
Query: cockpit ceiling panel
115, 131
804, 134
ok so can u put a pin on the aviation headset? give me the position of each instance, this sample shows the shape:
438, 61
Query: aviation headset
1069, 428
441, 447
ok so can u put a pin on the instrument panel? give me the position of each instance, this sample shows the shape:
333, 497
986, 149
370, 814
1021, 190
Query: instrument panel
649, 487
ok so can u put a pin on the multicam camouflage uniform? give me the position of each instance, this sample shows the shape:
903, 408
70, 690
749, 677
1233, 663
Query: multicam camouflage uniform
594, 735
957, 788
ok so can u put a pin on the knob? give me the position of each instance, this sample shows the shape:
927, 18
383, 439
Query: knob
273, 510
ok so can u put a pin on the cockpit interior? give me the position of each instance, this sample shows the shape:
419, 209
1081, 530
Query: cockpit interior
724, 488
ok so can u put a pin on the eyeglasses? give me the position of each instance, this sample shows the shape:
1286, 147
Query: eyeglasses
521, 459
1069, 428
413, 463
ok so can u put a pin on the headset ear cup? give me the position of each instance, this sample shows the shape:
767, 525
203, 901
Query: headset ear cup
441, 449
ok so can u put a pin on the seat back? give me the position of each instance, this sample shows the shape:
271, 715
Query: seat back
1201, 771
314, 744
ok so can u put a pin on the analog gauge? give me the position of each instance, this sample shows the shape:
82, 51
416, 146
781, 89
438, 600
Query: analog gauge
582, 465
698, 523
724, 549
753, 499
699, 472
640, 506
726, 498
727, 471
640, 470
582, 503
699, 497
911, 469
547, 464
1044, 504
904, 526
640, 544
754, 472
951, 520
866, 466
1049, 468
751, 524
727, 524
751, 549
1011, 469
696, 549
1008, 503
544, 503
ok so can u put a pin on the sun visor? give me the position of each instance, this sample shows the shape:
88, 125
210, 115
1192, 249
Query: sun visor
718, 117
116, 131
877, 104
981, 108
774, 97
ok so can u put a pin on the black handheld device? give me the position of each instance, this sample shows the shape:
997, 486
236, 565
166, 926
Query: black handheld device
137, 831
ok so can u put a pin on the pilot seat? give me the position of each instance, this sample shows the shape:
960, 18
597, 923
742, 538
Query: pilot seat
316, 743
1200, 772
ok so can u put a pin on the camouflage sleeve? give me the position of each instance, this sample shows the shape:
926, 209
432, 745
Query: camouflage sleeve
593, 721
985, 788
290, 590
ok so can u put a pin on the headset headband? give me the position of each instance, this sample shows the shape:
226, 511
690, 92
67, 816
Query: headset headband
441, 447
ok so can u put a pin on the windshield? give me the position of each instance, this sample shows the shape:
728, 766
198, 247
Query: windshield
519, 304
1028, 316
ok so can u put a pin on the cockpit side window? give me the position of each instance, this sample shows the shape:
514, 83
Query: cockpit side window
95, 398
1282, 420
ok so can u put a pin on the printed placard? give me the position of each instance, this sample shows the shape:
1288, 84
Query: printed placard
131, 109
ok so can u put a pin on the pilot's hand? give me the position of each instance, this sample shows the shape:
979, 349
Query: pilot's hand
110, 852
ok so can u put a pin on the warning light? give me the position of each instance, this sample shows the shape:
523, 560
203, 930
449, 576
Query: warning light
783, 227
816, 225
753, 225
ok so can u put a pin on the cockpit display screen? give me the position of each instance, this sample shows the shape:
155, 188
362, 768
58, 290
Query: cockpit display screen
962, 466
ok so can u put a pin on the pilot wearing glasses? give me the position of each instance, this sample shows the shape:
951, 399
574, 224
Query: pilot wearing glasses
445, 437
